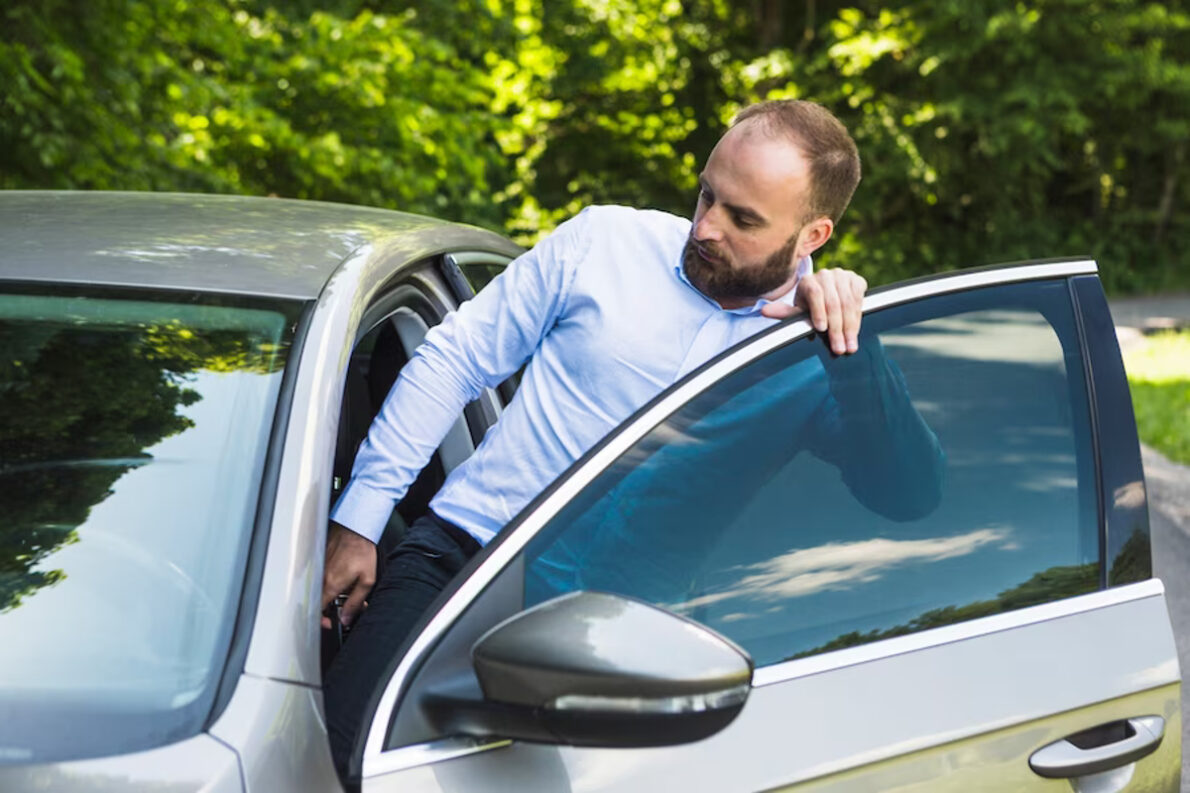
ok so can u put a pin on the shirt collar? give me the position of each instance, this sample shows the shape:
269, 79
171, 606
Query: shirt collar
805, 266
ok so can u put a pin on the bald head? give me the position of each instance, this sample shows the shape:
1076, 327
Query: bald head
829, 151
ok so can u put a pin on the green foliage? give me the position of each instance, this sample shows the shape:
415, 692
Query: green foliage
1159, 377
1009, 130
992, 131
218, 96
1163, 417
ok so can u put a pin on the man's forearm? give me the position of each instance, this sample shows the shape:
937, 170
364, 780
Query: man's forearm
417, 414
887, 454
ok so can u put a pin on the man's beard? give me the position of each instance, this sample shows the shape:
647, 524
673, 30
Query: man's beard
720, 281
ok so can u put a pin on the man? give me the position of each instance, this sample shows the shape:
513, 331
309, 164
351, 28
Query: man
609, 310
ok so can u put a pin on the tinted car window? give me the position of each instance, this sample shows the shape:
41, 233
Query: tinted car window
807, 503
479, 274
132, 440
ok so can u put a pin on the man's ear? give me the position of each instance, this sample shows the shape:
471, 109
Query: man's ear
814, 235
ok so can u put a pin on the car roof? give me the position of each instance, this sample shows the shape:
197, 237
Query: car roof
236, 244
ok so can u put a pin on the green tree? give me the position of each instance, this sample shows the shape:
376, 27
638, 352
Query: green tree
1010, 130
224, 96
78, 408
996, 131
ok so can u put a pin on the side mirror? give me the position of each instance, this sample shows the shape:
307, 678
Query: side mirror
593, 669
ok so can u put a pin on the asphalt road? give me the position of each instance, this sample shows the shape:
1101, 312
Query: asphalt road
1169, 518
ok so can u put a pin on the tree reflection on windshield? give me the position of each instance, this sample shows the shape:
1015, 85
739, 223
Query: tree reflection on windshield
132, 441
80, 403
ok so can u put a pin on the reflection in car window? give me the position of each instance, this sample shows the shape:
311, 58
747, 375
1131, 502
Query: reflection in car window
132, 441
479, 274
798, 506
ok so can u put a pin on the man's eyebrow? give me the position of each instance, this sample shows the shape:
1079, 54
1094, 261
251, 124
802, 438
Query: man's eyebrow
740, 211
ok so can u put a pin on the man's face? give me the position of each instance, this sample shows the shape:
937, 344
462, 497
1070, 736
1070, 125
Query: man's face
749, 231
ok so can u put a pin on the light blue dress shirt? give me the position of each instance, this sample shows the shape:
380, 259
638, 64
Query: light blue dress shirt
603, 313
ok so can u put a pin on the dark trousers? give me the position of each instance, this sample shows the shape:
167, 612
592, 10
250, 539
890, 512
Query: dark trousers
414, 573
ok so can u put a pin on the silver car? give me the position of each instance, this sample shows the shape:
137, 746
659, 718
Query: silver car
183, 384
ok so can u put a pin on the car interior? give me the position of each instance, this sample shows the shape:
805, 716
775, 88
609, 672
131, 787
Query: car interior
390, 334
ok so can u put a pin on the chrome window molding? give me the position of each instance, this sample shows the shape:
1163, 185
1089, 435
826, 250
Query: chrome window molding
432, 752
962, 281
464, 257
948, 634
374, 758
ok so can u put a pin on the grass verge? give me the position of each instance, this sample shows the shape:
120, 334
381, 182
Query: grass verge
1159, 375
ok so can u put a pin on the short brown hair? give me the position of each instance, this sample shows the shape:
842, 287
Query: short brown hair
823, 140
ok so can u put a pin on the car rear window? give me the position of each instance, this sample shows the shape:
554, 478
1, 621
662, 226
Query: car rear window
133, 435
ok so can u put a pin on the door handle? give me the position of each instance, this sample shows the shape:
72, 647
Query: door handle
1083, 753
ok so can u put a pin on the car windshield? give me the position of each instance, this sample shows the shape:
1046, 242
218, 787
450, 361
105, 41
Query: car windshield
133, 433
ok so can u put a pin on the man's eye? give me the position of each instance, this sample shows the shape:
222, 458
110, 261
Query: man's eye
705, 195
743, 222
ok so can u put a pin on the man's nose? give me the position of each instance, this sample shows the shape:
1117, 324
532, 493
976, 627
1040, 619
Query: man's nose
706, 227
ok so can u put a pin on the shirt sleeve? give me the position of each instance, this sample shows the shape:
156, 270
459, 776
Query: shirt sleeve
476, 347
869, 428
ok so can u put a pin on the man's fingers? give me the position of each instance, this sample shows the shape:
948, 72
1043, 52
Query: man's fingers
332, 584
834, 300
355, 602
331, 587
851, 330
833, 304
809, 298
859, 286
853, 315
778, 310
350, 569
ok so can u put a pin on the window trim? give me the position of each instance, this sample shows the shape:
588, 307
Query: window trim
502, 551
1119, 468
452, 265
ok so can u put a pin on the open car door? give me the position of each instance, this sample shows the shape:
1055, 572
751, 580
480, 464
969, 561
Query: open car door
933, 558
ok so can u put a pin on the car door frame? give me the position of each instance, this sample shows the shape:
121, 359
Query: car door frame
373, 761
275, 673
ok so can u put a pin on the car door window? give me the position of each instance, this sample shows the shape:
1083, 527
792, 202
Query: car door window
807, 503
477, 269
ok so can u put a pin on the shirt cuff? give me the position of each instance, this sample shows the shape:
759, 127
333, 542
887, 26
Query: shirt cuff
363, 510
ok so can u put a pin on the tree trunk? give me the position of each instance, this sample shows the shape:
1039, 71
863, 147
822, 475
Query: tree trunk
1165, 207
769, 24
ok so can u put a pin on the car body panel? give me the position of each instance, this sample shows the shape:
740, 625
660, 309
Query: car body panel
993, 760
277, 729
893, 701
217, 243
199, 764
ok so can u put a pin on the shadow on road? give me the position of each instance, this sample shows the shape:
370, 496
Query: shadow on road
1169, 515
